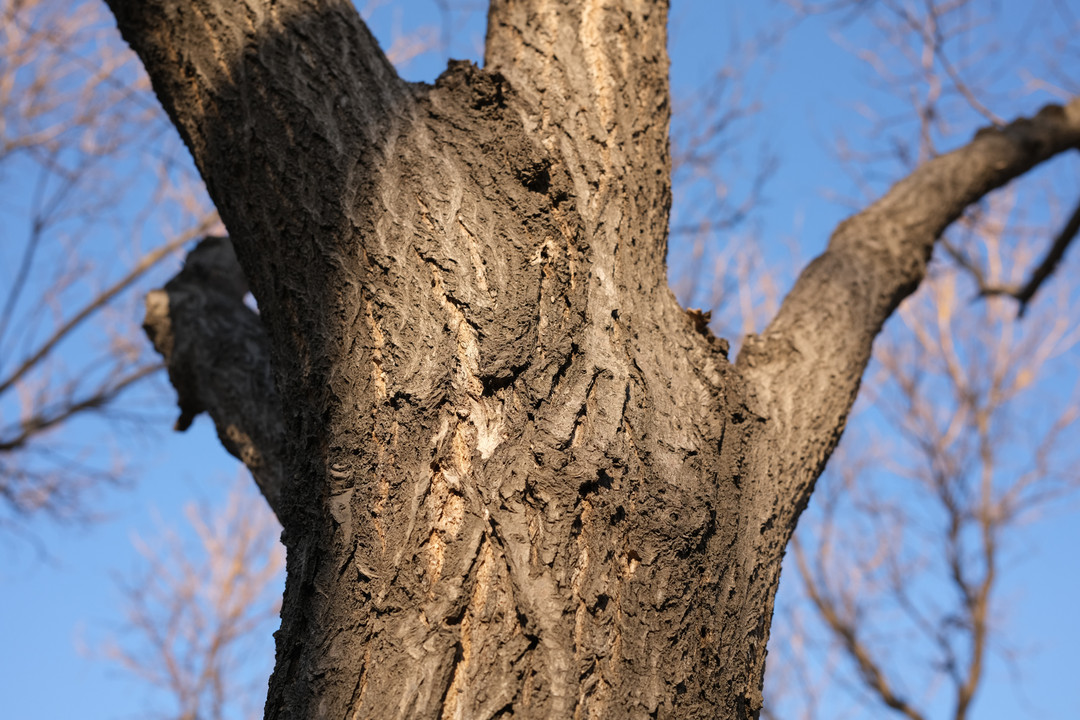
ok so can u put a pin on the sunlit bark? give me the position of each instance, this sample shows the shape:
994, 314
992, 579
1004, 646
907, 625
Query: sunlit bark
520, 479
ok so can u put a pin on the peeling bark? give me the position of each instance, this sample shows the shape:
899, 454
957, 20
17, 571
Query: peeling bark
519, 480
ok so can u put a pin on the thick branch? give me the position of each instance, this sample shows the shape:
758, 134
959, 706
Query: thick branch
281, 105
288, 109
597, 72
806, 367
218, 357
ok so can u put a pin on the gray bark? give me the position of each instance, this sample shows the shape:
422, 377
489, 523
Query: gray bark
218, 358
518, 479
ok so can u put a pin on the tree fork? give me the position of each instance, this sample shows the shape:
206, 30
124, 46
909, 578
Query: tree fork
519, 480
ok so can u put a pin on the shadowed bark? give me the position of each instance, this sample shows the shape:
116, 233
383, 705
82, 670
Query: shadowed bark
218, 359
521, 480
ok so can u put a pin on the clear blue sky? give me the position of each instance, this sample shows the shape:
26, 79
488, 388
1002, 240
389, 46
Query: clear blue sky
55, 603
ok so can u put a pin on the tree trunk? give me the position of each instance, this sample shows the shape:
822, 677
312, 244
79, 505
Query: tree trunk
517, 478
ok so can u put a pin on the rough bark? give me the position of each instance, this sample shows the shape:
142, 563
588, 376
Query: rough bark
521, 481
806, 367
218, 358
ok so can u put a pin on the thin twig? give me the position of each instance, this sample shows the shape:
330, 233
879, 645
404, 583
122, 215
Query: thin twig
1025, 293
44, 420
146, 263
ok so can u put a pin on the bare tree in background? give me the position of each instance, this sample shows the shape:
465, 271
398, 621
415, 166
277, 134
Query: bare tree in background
199, 615
97, 196
894, 597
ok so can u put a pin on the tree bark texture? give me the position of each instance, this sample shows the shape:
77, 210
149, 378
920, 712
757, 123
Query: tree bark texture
218, 359
516, 478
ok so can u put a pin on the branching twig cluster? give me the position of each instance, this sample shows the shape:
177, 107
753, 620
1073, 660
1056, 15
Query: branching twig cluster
196, 613
1024, 292
78, 126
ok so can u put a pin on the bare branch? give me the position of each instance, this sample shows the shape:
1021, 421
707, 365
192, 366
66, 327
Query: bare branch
952, 387
49, 417
147, 262
870, 669
1026, 292
806, 367
218, 358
